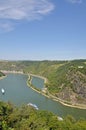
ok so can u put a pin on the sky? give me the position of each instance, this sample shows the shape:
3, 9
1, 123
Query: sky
42, 29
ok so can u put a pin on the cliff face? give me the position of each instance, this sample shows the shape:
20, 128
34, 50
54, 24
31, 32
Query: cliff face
79, 86
75, 91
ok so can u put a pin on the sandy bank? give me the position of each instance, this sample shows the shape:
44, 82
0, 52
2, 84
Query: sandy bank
14, 72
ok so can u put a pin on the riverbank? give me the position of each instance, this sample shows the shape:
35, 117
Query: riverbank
48, 95
13, 72
41, 77
2, 77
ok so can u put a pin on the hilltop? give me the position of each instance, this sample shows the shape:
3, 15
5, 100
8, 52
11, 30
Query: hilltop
65, 79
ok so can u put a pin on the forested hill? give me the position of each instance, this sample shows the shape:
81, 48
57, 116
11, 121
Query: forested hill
66, 79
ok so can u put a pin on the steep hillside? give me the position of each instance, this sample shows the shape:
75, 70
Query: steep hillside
68, 82
66, 79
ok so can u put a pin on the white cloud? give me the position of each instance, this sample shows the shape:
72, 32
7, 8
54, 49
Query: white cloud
6, 27
75, 1
17, 10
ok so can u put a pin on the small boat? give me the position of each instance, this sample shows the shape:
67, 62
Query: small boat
3, 91
33, 105
60, 118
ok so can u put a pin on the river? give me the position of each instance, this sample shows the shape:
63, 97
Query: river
17, 92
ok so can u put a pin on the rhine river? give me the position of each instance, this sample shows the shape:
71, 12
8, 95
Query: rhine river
17, 92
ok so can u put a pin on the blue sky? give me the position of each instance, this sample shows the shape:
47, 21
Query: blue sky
42, 29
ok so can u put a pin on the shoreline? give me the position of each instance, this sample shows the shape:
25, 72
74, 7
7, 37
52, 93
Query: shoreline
50, 96
13, 72
33, 75
2, 77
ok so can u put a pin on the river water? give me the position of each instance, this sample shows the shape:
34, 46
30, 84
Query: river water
17, 92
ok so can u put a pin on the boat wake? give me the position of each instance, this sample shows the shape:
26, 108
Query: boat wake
33, 105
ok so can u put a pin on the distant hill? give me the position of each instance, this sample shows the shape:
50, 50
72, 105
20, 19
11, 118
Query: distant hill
65, 79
